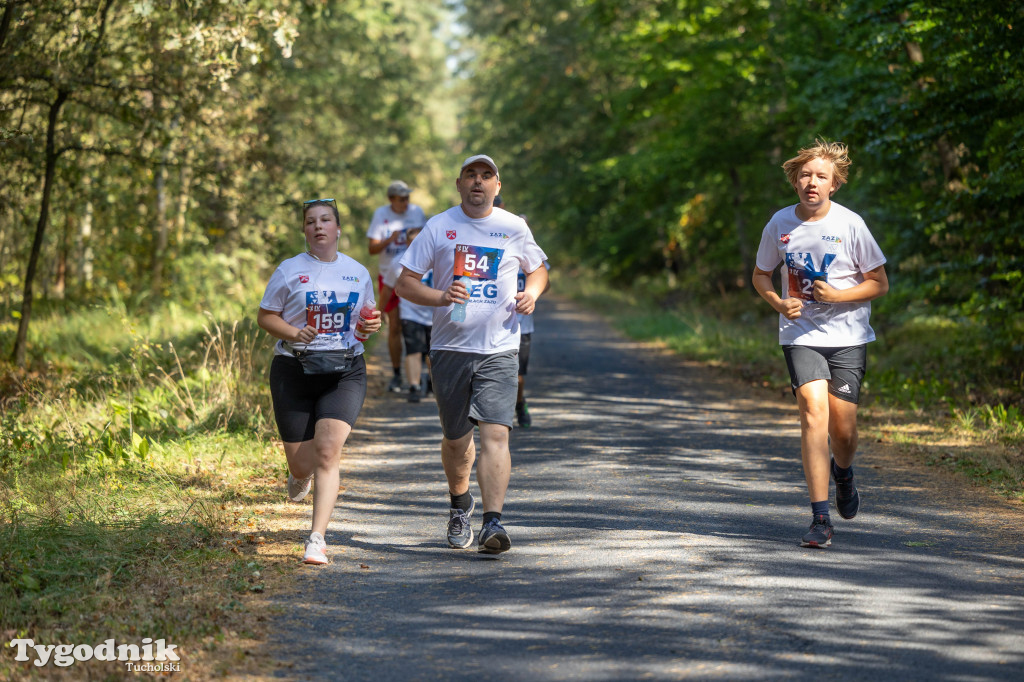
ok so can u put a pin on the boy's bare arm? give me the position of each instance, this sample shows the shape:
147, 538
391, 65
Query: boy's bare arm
787, 307
875, 284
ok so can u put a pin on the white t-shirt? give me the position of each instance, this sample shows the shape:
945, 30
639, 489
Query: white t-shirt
407, 310
384, 222
327, 296
490, 250
526, 325
838, 248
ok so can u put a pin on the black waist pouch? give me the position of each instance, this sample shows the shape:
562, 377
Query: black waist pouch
325, 361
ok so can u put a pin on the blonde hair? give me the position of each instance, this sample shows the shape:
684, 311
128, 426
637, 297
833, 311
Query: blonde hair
834, 152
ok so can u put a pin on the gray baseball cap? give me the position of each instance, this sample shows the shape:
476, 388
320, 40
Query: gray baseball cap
482, 158
398, 189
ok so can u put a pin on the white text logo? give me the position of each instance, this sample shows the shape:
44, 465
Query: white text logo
64, 655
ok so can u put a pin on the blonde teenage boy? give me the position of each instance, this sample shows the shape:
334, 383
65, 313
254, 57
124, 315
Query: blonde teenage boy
831, 269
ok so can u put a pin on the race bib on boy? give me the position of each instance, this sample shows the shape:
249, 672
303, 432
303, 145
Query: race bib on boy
803, 274
328, 315
478, 262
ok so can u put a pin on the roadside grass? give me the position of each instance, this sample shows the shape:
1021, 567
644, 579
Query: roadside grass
930, 388
136, 469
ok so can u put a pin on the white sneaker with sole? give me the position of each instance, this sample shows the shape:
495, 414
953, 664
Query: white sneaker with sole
316, 550
298, 488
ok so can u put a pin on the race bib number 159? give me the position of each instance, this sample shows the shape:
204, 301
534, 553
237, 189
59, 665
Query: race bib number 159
478, 262
327, 314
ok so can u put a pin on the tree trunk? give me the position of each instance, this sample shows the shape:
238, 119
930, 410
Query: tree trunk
60, 279
85, 238
21, 340
741, 227
5, 22
160, 245
949, 157
184, 192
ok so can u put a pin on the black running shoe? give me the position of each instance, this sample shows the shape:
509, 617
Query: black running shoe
414, 394
523, 415
819, 534
493, 538
847, 497
396, 385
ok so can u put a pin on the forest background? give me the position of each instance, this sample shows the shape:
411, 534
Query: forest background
154, 155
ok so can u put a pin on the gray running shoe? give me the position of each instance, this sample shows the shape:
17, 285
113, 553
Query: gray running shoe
396, 385
298, 488
493, 538
460, 533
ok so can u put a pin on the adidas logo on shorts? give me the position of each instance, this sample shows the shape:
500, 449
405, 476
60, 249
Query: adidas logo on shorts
845, 388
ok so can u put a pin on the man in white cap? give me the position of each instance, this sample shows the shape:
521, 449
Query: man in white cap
387, 235
475, 251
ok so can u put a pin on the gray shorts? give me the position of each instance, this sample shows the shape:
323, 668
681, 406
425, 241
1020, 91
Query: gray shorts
843, 368
472, 388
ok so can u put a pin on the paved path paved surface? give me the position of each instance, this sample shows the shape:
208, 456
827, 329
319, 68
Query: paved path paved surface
655, 514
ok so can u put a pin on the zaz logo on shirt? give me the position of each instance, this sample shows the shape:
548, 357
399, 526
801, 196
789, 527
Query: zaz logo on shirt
349, 278
831, 239
499, 235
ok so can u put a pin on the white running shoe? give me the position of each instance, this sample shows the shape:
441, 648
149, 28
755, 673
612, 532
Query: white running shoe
316, 550
298, 488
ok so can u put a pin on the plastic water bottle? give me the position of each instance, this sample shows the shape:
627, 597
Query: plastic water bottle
459, 309
365, 313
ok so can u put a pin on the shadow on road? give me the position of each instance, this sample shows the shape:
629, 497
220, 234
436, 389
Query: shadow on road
655, 512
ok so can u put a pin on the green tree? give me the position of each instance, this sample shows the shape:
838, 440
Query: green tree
180, 153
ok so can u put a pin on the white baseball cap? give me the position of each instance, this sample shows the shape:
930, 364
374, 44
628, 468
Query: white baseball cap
480, 158
398, 189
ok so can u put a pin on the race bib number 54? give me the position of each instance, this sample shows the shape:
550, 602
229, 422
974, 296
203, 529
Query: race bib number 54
478, 262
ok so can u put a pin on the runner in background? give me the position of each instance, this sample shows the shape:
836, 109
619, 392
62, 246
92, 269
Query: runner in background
831, 269
526, 329
387, 237
475, 251
417, 321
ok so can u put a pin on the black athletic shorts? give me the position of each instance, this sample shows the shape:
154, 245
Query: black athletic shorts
524, 353
300, 400
843, 368
416, 337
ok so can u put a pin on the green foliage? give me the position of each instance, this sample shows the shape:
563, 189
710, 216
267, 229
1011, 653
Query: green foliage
116, 461
191, 134
647, 137
127, 384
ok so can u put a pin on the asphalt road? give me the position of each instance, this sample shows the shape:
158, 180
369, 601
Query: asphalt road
655, 512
